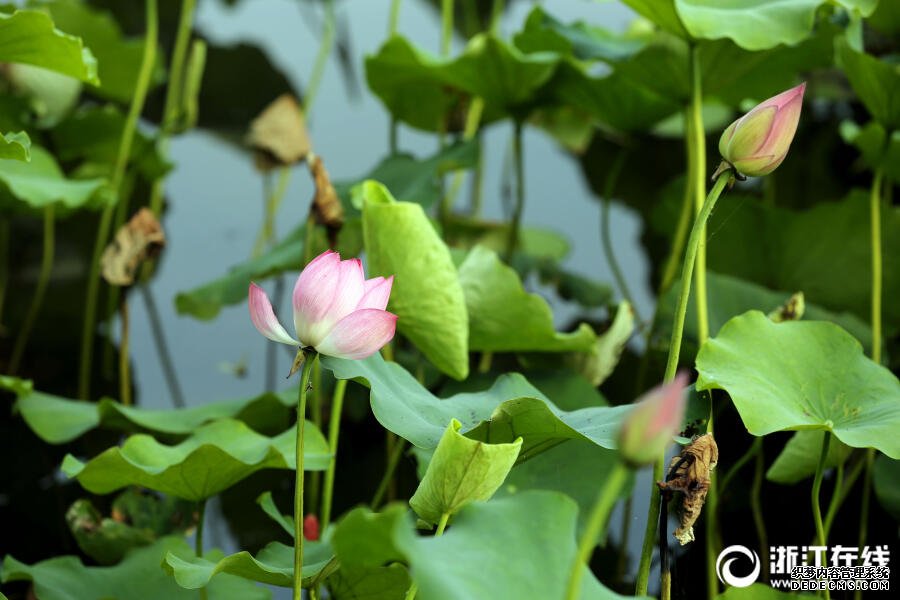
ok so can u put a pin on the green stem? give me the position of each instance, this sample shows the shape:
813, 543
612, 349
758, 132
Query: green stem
496, 14
816, 487
595, 528
739, 464
643, 575
162, 347
442, 524
393, 460
477, 179
875, 209
516, 224
298, 486
198, 539
394, 21
605, 236
93, 283
484, 363
473, 120
38, 299
756, 500
4, 262
446, 26
315, 78
124, 365
334, 430
315, 409
267, 235
684, 219
849, 482
866, 500
835, 501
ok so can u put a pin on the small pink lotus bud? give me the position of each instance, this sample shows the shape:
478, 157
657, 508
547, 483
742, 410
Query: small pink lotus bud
647, 430
756, 143
311, 528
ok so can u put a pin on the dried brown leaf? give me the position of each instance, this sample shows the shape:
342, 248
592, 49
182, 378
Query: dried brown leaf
140, 238
279, 134
688, 479
326, 205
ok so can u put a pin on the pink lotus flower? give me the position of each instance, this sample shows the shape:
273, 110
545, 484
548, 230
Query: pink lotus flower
648, 429
337, 311
756, 143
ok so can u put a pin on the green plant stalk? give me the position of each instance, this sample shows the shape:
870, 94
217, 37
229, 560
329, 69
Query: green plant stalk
739, 464
836, 498
394, 21
849, 482
477, 179
595, 528
442, 524
605, 236
393, 460
756, 500
684, 219
816, 488
162, 347
298, 485
446, 26
334, 431
315, 479
124, 342
267, 235
877, 276
496, 14
516, 225
473, 119
37, 300
865, 502
643, 575
93, 283
327, 42
198, 539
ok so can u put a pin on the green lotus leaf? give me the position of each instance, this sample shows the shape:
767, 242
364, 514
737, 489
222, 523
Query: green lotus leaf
214, 458
503, 317
137, 577
802, 375
15, 146
875, 81
427, 296
29, 37
800, 457
274, 565
58, 420
40, 183
878, 151
660, 12
511, 408
533, 530
375, 583
364, 538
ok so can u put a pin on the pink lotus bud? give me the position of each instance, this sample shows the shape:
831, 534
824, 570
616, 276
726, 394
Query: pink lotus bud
648, 429
757, 142
337, 311
311, 528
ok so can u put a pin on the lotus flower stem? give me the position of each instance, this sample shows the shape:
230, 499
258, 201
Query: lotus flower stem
394, 458
496, 15
684, 220
198, 539
756, 499
596, 527
394, 21
298, 487
516, 225
93, 282
124, 366
315, 410
609, 188
334, 431
38, 299
816, 488
446, 26
672, 366
442, 525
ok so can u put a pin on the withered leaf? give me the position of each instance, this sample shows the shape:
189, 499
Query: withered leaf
326, 205
278, 134
688, 479
140, 238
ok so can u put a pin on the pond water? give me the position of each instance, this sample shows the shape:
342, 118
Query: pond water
215, 195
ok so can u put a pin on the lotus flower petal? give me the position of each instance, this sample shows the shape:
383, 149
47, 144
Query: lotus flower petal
264, 318
378, 290
657, 416
315, 290
359, 334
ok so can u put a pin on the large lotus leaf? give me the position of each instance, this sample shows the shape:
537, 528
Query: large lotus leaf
421, 89
58, 420
427, 296
416, 180
803, 375
461, 471
510, 408
576, 468
544, 33
876, 82
41, 183
94, 134
15, 146
118, 58
661, 12
138, 577
533, 530
752, 24
729, 296
800, 456
503, 317
274, 565
877, 150
214, 458
205, 301
29, 36
886, 479
373, 583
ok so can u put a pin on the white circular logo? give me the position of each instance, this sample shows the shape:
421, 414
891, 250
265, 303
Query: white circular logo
723, 566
